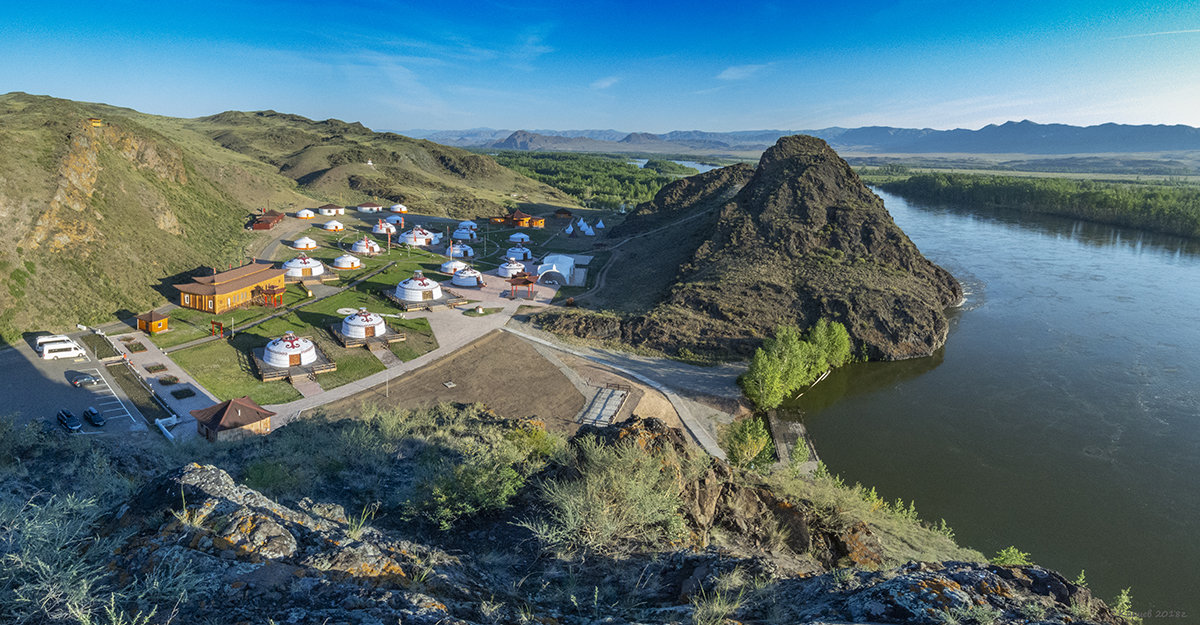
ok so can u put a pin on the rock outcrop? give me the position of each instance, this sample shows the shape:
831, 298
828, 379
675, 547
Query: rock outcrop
802, 240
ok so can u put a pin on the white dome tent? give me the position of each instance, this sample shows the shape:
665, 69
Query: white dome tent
418, 288
558, 268
510, 268
467, 277
451, 266
399, 208
303, 267
519, 252
304, 243
464, 234
420, 237
305, 213
460, 250
518, 237
468, 225
363, 324
334, 226
382, 227
290, 350
346, 261
365, 246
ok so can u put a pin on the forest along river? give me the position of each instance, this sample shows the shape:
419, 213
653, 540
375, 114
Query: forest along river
1063, 414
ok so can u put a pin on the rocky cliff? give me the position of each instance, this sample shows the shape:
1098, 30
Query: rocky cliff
803, 239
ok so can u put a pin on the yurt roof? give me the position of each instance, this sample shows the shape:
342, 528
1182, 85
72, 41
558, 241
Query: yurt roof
330, 207
418, 282
304, 242
370, 205
394, 219
513, 263
399, 207
305, 212
467, 224
452, 266
363, 317
518, 237
346, 260
419, 231
289, 343
467, 271
330, 225
301, 261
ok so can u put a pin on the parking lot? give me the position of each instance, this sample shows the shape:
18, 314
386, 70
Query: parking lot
35, 389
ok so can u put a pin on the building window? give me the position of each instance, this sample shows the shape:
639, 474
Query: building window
187, 299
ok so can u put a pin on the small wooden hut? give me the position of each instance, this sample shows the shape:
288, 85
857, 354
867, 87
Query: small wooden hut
152, 322
233, 419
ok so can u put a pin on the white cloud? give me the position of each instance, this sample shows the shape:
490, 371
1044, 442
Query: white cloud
1160, 34
739, 72
606, 82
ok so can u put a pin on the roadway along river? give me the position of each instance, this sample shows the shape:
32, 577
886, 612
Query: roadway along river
1063, 414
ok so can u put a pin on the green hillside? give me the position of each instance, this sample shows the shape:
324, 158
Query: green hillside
99, 219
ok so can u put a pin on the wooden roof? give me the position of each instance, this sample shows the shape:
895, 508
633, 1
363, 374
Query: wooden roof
562, 211
328, 206
232, 414
272, 214
232, 280
517, 214
151, 316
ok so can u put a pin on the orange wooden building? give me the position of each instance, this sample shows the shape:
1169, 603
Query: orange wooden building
230, 289
152, 322
233, 419
519, 219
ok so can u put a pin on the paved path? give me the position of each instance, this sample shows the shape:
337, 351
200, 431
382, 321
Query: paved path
384, 354
186, 428
307, 386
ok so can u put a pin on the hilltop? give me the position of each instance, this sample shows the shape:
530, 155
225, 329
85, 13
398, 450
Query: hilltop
802, 239
99, 217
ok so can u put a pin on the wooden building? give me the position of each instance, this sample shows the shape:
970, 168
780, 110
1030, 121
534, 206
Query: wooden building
519, 219
152, 322
267, 220
230, 289
563, 213
233, 419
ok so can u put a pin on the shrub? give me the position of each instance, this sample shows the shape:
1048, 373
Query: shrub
790, 361
135, 346
183, 393
168, 380
155, 368
748, 444
1011, 556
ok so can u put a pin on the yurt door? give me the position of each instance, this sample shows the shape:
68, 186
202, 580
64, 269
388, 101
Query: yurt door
307, 271
426, 295
370, 331
293, 360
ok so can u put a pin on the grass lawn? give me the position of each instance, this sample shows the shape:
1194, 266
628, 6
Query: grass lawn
486, 311
224, 368
188, 324
99, 346
420, 338
137, 393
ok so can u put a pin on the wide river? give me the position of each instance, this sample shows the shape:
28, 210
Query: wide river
1063, 414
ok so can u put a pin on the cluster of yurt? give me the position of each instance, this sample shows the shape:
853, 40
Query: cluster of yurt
453, 265
421, 237
518, 237
305, 213
464, 234
468, 277
519, 252
384, 228
330, 210
399, 208
363, 325
346, 261
304, 243
365, 246
290, 350
418, 288
303, 267
334, 225
460, 250
369, 207
510, 268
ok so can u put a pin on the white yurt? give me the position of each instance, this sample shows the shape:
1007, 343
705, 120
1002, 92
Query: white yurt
329, 210
452, 266
305, 213
467, 277
460, 250
418, 289
419, 236
304, 243
468, 225
464, 234
510, 268
346, 261
518, 237
334, 226
369, 207
519, 252
558, 268
303, 267
363, 324
399, 208
365, 246
290, 350
382, 227
395, 219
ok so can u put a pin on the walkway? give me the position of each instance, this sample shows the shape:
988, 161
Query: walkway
186, 428
603, 407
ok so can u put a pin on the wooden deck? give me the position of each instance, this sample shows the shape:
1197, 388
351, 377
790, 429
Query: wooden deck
392, 336
268, 373
449, 299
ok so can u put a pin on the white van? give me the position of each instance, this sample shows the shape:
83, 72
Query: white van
54, 351
57, 338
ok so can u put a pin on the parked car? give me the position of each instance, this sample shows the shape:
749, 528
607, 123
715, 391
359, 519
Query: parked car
69, 421
93, 416
87, 379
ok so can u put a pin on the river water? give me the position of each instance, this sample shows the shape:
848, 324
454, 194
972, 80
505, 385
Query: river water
1063, 414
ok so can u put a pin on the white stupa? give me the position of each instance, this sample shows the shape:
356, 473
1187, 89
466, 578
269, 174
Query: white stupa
510, 268
518, 237
464, 234
519, 252
290, 350
419, 236
334, 226
399, 208
305, 213
453, 265
304, 243
365, 246
382, 227
346, 261
418, 288
460, 250
468, 225
467, 277
303, 267
363, 324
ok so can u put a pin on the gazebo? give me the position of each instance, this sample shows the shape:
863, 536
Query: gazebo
273, 295
520, 281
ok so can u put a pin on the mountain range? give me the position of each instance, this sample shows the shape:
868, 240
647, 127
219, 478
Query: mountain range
1024, 137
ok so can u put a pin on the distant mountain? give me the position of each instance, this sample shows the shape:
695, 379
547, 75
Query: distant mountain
1024, 137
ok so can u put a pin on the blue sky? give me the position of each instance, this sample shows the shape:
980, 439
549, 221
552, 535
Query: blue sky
634, 66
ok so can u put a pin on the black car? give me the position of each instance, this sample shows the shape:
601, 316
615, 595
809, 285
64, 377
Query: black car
69, 421
87, 379
93, 416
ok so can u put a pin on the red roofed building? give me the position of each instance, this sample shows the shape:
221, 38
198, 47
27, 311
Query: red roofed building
233, 419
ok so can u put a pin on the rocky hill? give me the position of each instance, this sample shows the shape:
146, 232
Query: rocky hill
96, 217
803, 239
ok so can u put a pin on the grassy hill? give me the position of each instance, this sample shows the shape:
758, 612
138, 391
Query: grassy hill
98, 219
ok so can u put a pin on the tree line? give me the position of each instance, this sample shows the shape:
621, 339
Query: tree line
1170, 209
597, 181
792, 360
